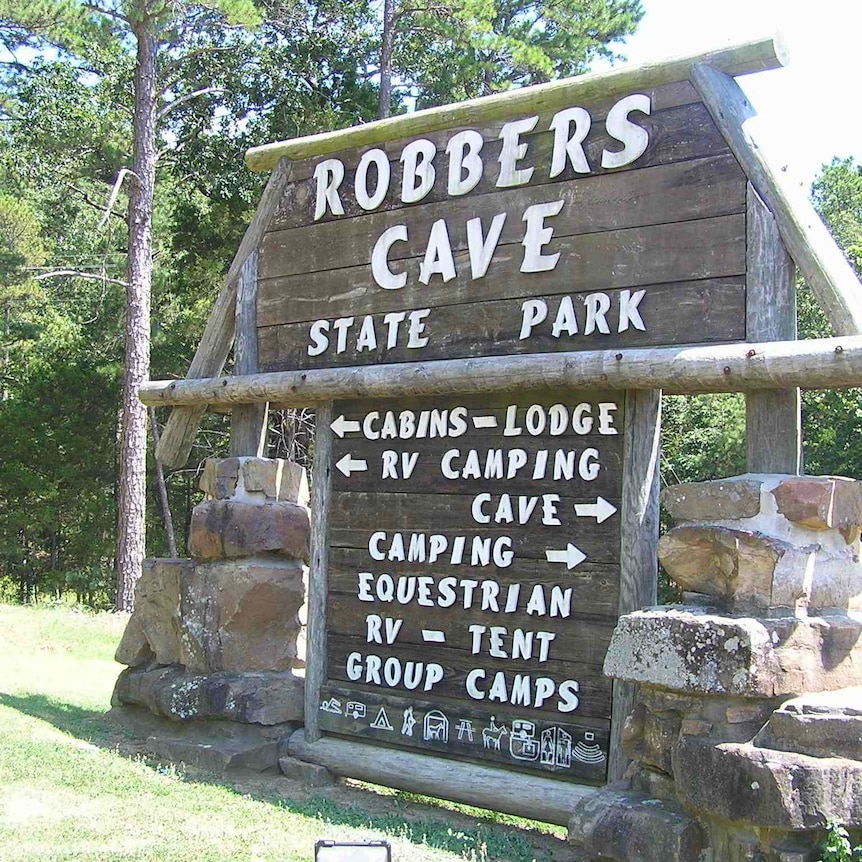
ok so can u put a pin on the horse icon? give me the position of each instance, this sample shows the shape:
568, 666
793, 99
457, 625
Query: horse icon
492, 735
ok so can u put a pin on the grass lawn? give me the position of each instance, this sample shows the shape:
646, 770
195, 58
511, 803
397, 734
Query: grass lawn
73, 787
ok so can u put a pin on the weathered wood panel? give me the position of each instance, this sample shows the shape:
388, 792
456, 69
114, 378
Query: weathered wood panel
676, 135
517, 622
662, 97
773, 419
706, 311
593, 691
594, 586
462, 731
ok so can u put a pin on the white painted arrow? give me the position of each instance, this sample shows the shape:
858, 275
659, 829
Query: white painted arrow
484, 421
349, 464
601, 510
572, 556
342, 426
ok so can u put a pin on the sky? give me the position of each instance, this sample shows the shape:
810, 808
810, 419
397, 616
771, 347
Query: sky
809, 111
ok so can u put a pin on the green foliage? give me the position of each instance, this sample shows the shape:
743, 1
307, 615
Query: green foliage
836, 846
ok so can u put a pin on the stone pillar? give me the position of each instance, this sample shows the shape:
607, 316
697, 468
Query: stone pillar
746, 738
215, 643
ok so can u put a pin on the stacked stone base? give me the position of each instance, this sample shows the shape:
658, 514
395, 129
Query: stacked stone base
215, 646
746, 738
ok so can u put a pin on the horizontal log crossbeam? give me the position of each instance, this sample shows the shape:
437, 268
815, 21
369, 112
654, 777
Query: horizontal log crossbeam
823, 363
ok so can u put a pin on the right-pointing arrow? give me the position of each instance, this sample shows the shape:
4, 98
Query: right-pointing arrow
572, 556
601, 510
342, 426
348, 464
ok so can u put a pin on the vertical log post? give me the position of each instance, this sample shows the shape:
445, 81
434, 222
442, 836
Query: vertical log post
248, 421
639, 512
318, 582
772, 416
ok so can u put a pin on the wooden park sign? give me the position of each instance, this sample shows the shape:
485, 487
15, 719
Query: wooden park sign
483, 302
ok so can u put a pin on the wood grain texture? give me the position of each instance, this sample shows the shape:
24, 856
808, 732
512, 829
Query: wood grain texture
773, 418
810, 244
662, 97
820, 363
248, 421
639, 523
676, 135
536, 797
705, 311
752, 56
316, 645
581, 754
214, 346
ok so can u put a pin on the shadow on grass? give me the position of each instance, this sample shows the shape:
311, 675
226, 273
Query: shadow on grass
477, 838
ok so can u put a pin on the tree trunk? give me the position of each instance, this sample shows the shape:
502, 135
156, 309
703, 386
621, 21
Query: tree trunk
385, 97
133, 445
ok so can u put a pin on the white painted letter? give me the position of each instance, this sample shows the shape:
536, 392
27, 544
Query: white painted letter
635, 138
570, 146
513, 151
329, 175
537, 235
417, 158
384, 276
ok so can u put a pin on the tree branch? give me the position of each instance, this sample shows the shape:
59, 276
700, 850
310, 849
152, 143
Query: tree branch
74, 273
185, 98
110, 13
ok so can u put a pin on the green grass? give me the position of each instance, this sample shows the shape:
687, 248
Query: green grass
72, 787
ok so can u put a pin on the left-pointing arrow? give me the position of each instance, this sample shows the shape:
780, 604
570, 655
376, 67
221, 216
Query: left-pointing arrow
342, 426
348, 464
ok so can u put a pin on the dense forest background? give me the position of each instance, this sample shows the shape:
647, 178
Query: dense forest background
232, 75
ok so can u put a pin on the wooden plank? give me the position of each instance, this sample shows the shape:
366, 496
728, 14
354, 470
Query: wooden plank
337, 245
705, 311
581, 641
676, 135
247, 421
537, 797
702, 189
316, 644
214, 346
594, 586
426, 477
662, 97
810, 244
773, 418
639, 522
564, 745
818, 363
355, 516
594, 689
752, 56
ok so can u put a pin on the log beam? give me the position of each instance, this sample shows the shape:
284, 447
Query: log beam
756, 55
822, 363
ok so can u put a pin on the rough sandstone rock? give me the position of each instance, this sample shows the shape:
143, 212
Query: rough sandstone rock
718, 500
309, 774
267, 699
242, 615
746, 570
255, 479
228, 529
624, 826
820, 502
691, 650
153, 632
767, 788
824, 724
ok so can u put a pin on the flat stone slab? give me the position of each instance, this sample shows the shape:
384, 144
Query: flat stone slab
824, 724
218, 756
767, 788
264, 698
623, 826
718, 500
308, 773
249, 479
690, 649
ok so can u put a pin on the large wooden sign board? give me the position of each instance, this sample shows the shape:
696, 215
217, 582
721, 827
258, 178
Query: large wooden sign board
468, 566
474, 577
